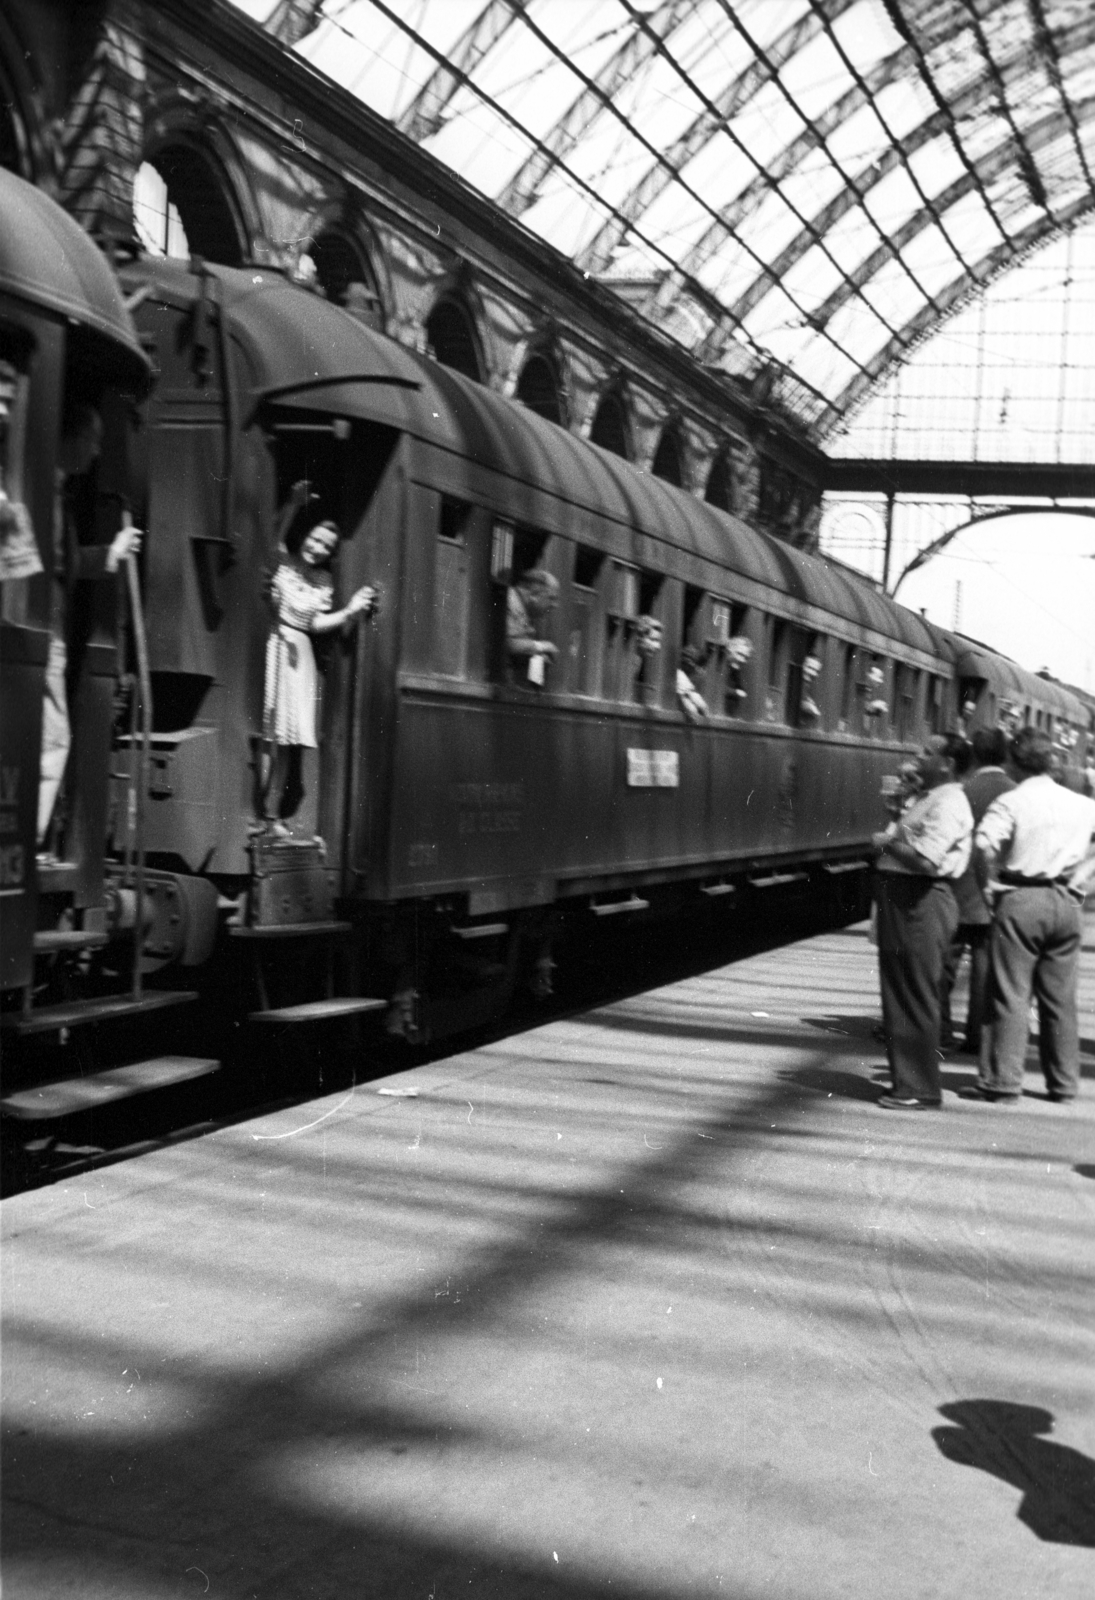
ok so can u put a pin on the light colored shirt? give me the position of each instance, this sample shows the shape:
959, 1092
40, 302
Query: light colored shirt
1038, 829
939, 826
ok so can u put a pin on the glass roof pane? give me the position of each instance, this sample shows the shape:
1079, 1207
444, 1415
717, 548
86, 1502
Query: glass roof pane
668, 111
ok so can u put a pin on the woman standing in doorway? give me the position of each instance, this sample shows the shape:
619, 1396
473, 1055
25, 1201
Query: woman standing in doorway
302, 596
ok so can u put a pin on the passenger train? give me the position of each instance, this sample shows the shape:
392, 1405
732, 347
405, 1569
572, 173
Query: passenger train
461, 807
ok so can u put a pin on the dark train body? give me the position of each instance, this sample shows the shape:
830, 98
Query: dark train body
456, 814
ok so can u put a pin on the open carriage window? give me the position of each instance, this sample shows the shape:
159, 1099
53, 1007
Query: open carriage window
803, 687
451, 588
850, 700
719, 651
621, 594
777, 631
648, 676
906, 698
935, 707
876, 704
532, 595
585, 643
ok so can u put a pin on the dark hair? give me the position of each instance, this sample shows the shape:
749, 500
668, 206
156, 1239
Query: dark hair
990, 747
1032, 751
77, 414
956, 748
303, 524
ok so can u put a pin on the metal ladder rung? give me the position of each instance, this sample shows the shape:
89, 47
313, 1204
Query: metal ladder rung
48, 941
71, 1095
320, 1010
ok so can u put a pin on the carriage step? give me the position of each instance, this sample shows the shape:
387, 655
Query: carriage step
49, 941
78, 1013
320, 1010
72, 1095
616, 908
292, 930
56, 877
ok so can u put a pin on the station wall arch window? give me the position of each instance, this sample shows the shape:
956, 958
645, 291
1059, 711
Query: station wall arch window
539, 387
181, 207
450, 334
719, 490
610, 426
344, 273
668, 463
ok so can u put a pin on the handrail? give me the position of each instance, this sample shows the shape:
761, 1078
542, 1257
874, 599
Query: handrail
144, 688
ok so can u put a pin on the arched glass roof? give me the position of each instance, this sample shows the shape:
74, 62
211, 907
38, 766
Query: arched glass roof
799, 191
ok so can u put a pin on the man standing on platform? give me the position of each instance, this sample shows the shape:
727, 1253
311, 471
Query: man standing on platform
918, 860
1036, 847
986, 782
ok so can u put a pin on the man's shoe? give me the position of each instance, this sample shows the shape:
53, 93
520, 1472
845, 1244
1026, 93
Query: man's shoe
906, 1102
995, 1097
1060, 1099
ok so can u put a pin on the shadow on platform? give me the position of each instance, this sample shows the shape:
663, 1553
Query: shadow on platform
1057, 1483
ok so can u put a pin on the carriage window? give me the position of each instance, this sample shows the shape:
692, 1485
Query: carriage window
648, 672
969, 692
532, 598
876, 705
849, 696
584, 647
800, 706
935, 708
777, 653
621, 588
736, 648
906, 695
451, 588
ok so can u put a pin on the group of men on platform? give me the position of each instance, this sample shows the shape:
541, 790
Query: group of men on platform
999, 865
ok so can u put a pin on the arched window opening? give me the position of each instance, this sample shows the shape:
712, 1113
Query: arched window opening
180, 208
667, 459
539, 388
780, 506
610, 428
720, 483
451, 338
344, 274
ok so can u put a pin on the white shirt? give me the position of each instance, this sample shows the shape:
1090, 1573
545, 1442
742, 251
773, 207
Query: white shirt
940, 826
1038, 829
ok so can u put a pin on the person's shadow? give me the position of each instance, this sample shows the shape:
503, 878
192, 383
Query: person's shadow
1057, 1483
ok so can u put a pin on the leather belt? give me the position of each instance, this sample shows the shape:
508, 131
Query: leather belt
1015, 880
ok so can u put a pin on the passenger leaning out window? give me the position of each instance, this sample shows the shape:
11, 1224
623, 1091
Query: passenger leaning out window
689, 695
529, 603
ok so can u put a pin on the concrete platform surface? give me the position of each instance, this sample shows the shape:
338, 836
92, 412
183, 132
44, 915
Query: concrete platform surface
651, 1303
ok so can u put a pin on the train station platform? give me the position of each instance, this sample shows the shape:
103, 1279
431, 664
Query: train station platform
650, 1303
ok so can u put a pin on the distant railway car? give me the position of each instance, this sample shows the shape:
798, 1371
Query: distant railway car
582, 692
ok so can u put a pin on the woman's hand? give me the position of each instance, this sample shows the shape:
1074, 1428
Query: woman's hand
363, 602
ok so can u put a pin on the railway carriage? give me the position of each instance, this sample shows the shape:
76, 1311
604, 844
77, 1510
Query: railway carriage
460, 808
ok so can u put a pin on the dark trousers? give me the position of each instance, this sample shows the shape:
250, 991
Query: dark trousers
1036, 936
917, 919
972, 936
